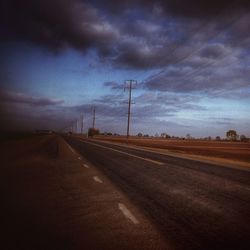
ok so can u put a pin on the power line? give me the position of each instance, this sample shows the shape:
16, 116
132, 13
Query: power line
117, 92
227, 26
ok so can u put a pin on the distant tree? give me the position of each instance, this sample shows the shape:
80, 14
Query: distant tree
243, 138
209, 138
231, 135
163, 135
188, 136
93, 131
139, 134
217, 138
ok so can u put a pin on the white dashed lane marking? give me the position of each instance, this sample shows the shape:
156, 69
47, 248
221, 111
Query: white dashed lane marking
85, 165
127, 213
71, 148
97, 179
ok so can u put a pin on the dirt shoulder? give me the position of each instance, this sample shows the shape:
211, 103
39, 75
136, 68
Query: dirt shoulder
54, 199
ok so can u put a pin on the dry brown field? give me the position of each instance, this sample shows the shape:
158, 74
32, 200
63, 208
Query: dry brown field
239, 151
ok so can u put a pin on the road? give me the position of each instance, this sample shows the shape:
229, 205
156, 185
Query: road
53, 198
195, 205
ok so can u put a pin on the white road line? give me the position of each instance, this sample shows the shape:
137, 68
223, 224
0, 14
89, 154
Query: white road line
71, 148
135, 156
85, 165
127, 213
97, 179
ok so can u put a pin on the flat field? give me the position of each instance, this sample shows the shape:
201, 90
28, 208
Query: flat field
236, 151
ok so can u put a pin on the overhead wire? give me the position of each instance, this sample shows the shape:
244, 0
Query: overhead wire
231, 22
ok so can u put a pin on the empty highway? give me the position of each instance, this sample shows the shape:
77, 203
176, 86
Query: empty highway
194, 205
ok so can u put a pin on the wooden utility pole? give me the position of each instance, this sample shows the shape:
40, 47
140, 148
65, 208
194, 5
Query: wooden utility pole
82, 124
129, 104
93, 126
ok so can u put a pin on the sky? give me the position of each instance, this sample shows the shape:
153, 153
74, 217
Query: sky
61, 58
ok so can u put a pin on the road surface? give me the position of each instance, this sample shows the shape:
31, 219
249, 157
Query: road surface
194, 205
53, 198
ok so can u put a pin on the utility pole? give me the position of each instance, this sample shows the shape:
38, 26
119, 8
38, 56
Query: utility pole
82, 124
129, 104
93, 126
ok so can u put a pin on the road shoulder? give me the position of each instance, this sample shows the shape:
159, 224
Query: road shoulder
55, 199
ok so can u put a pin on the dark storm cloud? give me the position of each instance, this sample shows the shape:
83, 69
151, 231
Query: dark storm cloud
188, 40
55, 24
80, 24
240, 32
142, 56
202, 8
13, 97
135, 57
213, 51
176, 41
183, 8
161, 33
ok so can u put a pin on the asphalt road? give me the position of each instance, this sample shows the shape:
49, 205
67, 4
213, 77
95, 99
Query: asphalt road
195, 205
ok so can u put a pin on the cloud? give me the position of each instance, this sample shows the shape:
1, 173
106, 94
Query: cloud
214, 51
202, 8
114, 85
169, 103
141, 56
140, 34
56, 24
148, 105
223, 121
188, 8
173, 41
21, 98
205, 74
